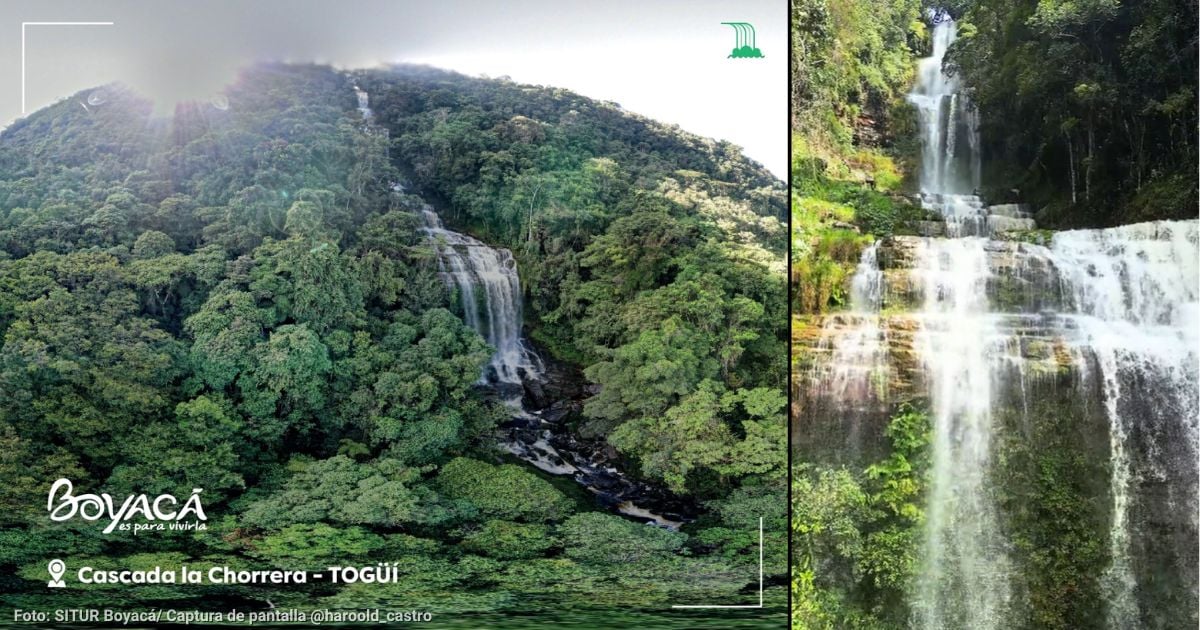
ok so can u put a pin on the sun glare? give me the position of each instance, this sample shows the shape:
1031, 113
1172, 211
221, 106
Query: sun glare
167, 92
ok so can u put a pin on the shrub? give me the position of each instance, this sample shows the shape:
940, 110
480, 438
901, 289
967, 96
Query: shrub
507, 491
507, 540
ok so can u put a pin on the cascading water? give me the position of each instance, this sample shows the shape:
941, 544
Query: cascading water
859, 355
489, 292
1112, 315
854, 378
364, 103
949, 125
470, 264
965, 567
1134, 317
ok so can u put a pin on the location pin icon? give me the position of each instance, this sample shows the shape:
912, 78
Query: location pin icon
57, 569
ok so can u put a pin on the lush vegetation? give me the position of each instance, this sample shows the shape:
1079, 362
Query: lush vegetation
851, 66
1088, 109
1088, 106
243, 301
853, 140
856, 533
854, 525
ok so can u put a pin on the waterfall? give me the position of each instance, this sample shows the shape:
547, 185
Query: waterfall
947, 121
489, 290
851, 379
965, 566
858, 343
965, 572
1059, 375
1134, 314
364, 103
1112, 315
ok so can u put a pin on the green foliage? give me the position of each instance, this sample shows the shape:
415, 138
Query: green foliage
594, 537
855, 536
506, 491
506, 540
341, 490
243, 301
312, 547
828, 508
1053, 485
1087, 106
697, 434
652, 258
850, 62
834, 218
1168, 197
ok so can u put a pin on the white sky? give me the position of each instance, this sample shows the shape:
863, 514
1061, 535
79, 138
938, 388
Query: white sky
662, 59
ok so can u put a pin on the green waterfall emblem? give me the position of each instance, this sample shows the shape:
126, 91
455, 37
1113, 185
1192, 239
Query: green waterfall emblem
744, 45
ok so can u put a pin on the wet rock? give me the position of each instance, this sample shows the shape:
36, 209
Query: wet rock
997, 224
543, 438
901, 290
930, 228
508, 391
554, 415
534, 393
899, 252
1011, 210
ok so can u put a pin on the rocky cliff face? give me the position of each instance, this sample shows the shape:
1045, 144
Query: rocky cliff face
1076, 358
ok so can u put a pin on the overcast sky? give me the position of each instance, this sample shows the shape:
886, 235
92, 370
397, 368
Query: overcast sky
663, 59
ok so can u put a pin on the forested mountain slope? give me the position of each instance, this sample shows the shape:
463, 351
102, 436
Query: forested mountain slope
241, 298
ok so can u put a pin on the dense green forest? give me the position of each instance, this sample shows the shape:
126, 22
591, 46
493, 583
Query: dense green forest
1088, 113
1087, 107
242, 300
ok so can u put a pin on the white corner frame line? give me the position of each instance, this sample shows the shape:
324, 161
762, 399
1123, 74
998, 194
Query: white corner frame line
25, 24
760, 580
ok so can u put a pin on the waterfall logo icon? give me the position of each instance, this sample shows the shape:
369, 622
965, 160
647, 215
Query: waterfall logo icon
744, 45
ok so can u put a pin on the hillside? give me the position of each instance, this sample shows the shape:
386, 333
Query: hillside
244, 298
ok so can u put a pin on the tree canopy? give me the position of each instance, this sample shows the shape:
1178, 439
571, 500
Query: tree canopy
243, 300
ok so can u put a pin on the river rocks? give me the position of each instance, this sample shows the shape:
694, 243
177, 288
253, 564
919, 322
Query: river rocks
558, 411
533, 392
558, 381
542, 432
